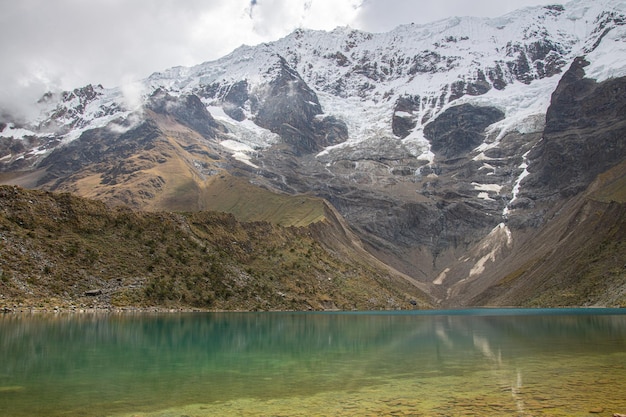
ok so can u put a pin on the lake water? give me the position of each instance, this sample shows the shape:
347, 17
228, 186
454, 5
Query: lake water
456, 363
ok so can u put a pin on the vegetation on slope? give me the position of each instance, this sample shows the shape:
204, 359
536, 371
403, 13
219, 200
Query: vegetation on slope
247, 202
59, 249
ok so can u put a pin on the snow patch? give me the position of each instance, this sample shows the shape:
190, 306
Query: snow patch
39, 151
487, 166
481, 156
487, 187
246, 131
493, 244
517, 185
97, 122
485, 196
608, 62
403, 114
441, 277
240, 151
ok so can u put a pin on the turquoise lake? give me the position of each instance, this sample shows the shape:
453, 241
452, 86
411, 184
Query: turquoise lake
439, 363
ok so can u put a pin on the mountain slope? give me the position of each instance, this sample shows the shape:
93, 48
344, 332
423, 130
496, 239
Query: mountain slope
578, 259
444, 146
61, 250
551, 239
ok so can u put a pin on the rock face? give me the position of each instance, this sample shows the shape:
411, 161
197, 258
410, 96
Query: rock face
98, 147
584, 133
571, 207
404, 114
446, 147
187, 110
460, 129
287, 106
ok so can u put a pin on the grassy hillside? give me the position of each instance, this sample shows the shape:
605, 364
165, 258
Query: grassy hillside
249, 203
58, 249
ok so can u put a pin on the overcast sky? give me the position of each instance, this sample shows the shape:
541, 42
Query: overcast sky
50, 45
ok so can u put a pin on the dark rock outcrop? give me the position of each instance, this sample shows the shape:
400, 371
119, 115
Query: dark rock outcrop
403, 122
187, 110
235, 99
288, 107
237, 94
97, 146
584, 134
460, 129
330, 131
83, 96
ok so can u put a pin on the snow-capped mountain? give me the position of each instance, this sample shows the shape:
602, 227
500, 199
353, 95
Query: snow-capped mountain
353, 72
429, 139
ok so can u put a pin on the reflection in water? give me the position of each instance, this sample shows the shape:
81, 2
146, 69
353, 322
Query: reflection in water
482, 345
295, 363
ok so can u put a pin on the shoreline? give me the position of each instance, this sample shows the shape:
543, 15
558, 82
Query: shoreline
16, 309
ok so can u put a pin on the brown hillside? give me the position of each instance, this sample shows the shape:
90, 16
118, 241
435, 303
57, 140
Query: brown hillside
59, 249
578, 259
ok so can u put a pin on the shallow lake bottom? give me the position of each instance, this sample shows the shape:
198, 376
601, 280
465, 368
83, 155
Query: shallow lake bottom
509, 363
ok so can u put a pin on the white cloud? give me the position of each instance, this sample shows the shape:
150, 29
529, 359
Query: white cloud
329, 14
275, 18
133, 93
